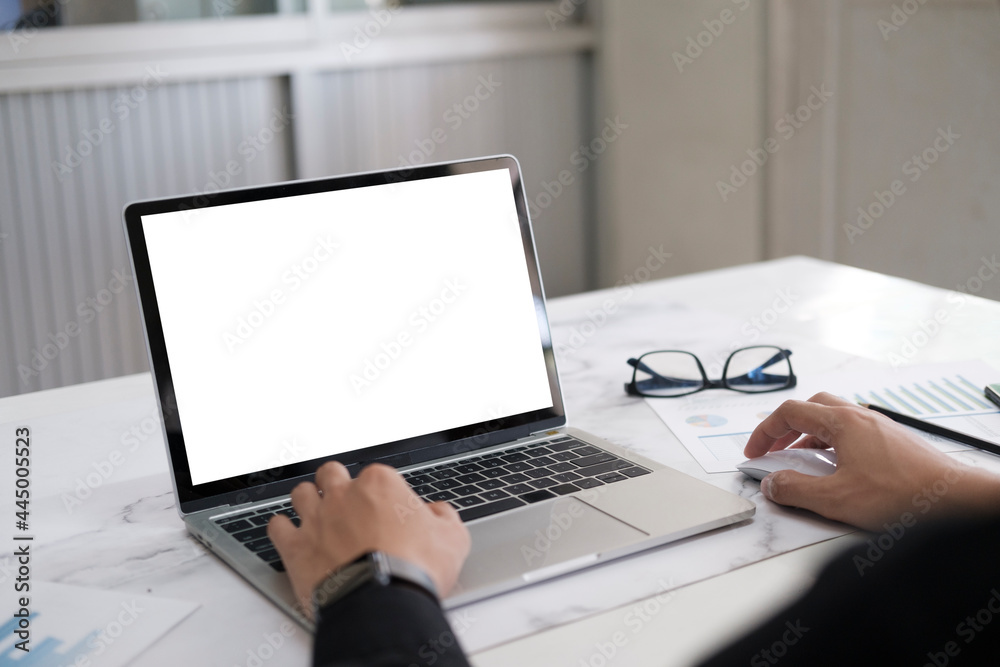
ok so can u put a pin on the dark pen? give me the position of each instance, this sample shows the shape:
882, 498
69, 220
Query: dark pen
934, 429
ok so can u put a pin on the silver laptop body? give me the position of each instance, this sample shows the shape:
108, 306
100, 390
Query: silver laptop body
394, 316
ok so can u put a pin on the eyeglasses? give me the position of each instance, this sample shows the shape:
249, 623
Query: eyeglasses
670, 373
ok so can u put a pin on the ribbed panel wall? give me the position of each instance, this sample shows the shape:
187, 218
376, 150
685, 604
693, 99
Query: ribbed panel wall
63, 315
61, 238
356, 120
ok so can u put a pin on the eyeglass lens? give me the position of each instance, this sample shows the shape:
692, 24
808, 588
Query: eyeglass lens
758, 369
673, 373
668, 374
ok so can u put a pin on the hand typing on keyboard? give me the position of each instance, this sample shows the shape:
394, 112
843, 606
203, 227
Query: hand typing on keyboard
375, 512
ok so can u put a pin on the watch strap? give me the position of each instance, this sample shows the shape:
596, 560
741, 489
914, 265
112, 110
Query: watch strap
374, 566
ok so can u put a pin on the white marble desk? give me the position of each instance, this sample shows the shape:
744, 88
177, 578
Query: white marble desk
675, 603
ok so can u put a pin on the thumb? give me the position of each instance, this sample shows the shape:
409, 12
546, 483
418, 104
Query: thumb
788, 487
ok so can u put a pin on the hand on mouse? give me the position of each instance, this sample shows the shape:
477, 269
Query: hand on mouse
883, 469
375, 512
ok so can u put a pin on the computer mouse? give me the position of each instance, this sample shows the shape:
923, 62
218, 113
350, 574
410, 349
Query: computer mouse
816, 462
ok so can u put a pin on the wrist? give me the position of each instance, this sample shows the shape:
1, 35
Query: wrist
374, 568
977, 491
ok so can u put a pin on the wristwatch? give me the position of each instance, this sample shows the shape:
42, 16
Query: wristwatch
376, 566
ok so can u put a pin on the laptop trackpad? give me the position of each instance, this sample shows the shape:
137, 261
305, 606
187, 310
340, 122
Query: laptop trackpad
540, 541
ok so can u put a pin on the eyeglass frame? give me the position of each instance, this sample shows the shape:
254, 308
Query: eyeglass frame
723, 383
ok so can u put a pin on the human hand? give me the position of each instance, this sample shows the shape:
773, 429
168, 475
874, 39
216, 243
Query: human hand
883, 469
375, 512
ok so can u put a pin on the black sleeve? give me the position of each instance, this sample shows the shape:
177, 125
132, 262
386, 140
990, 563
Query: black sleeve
382, 626
915, 595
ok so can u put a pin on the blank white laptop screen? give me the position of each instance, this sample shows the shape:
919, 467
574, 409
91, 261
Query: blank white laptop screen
302, 327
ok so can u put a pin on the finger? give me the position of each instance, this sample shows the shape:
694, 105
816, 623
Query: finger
785, 440
792, 417
794, 489
810, 442
332, 476
826, 398
305, 499
382, 475
822, 398
377, 483
445, 511
282, 533
771, 433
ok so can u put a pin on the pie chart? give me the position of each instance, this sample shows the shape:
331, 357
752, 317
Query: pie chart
706, 421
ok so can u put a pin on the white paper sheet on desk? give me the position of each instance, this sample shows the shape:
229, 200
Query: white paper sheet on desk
714, 425
73, 625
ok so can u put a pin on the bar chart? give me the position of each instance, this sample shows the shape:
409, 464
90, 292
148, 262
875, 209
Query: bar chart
946, 395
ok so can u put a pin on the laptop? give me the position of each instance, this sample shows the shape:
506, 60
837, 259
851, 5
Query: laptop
397, 317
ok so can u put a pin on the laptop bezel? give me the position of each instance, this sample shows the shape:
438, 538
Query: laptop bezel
266, 484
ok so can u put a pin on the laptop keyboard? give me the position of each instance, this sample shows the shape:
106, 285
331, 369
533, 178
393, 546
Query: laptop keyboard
500, 481
477, 487
250, 528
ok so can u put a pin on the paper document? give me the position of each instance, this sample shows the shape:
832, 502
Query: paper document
714, 425
72, 625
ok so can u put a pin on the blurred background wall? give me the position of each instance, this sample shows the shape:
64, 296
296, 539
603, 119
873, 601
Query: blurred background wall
725, 131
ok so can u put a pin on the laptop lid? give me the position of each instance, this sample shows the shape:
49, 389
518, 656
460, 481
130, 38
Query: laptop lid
394, 316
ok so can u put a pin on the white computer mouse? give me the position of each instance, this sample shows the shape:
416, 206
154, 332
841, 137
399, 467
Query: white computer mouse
817, 462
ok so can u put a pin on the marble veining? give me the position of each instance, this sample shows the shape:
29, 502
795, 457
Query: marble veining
126, 534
